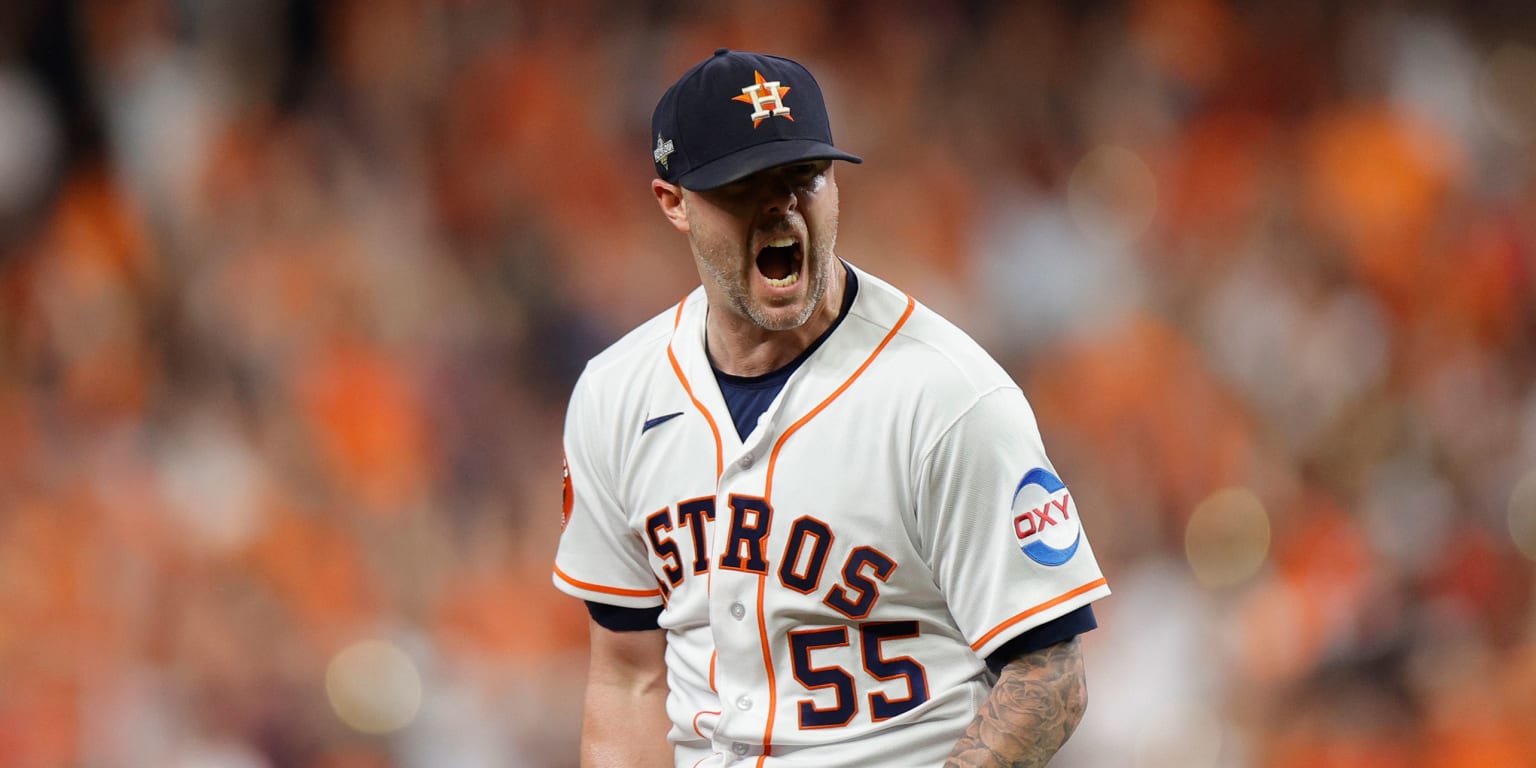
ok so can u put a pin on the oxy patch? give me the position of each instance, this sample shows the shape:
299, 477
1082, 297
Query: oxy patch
1045, 518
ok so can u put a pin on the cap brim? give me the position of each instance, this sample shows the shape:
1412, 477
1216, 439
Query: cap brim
739, 165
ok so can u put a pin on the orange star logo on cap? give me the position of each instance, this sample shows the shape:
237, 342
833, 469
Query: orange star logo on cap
766, 98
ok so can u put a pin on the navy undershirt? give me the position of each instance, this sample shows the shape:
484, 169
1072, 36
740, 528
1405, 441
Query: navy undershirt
747, 398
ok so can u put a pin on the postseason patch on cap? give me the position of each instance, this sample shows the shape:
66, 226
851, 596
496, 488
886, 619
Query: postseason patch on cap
1045, 519
664, 149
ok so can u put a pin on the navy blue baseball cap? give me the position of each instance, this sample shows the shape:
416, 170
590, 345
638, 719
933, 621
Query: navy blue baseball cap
735, 114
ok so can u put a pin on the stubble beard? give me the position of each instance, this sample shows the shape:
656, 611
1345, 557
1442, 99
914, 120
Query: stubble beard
738, 293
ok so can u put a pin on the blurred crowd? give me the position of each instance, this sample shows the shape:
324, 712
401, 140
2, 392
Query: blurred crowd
292, 294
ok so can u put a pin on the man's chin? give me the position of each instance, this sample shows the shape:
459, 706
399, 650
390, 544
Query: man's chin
780, 317
780, 322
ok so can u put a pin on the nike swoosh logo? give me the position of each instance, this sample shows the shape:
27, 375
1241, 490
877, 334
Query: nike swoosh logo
659, 420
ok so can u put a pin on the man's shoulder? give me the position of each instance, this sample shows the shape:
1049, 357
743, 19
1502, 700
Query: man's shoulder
926, 343
642, 346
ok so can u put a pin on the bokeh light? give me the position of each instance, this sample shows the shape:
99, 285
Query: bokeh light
1112, 194
1227, 537
374, 687
29, 142
1522, 515
1189, 737
1507, 94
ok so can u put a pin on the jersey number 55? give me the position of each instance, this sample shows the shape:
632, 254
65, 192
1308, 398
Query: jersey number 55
872, 635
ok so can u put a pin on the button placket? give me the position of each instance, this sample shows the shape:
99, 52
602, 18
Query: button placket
740, 477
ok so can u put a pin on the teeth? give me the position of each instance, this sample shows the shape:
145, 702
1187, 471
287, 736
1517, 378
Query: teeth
784, 282
783, 241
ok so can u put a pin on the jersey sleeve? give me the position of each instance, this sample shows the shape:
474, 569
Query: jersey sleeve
601, 558
1000, 529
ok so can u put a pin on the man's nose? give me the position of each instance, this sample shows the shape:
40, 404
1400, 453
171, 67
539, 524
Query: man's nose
777, 193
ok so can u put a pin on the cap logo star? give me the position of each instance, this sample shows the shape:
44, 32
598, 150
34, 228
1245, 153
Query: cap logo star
766, 98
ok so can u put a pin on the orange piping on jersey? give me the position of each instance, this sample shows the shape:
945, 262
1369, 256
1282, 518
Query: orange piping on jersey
682, 379
774, 457
606, 590
696, 717
1058, 600
773, 690
677, 320
712, 656
773, 460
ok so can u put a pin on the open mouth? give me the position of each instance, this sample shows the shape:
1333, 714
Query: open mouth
779, 262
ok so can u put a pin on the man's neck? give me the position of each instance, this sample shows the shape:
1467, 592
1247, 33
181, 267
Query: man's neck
739, 347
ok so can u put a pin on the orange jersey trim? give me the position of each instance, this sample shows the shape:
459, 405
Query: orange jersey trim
696, 717
714, 429
683, 379
578, 583
773, 460
1051, 603
773, 688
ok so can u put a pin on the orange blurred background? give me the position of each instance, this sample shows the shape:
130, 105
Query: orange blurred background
292, 295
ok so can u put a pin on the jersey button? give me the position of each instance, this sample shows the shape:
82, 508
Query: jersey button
745, 462
744, 703
738, 610
739, 748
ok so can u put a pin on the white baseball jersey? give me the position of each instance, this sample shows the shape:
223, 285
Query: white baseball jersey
833, 583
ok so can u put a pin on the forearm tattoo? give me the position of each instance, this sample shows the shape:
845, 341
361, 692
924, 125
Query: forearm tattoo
1038, 701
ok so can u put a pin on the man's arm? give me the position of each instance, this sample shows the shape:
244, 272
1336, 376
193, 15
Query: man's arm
1037, 702
625, 720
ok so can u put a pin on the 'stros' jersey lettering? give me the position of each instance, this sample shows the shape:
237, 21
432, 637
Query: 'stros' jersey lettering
802, 564
802, 567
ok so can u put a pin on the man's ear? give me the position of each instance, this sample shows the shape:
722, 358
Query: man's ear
673, 206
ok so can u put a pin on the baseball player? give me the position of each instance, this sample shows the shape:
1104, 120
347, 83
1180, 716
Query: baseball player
813, 522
